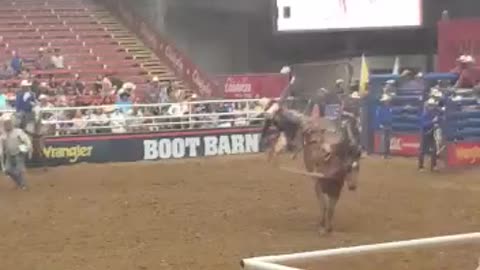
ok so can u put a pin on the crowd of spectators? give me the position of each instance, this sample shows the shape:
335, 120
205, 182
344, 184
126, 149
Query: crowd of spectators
66, 104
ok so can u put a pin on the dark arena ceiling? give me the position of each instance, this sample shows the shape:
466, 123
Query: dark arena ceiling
300, 46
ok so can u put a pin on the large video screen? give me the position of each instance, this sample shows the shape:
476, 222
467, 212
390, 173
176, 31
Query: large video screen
331, 15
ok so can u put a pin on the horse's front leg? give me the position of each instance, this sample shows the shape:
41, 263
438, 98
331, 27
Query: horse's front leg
331, 204
322, 201
278, 146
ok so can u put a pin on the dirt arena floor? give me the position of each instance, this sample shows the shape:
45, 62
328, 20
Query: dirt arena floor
210, 213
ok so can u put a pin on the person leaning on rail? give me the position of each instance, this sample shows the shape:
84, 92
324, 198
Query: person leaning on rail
384, 118
428, 146
16, 146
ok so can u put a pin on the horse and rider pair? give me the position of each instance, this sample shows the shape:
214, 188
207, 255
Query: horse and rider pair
331, 149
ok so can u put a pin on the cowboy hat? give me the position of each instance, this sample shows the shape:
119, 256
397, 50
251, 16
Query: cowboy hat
25, 83
390, 82
263, 102
406, 72
469, 59
285, 70
109, 109
6, 117
129, 85
42, 97
355, 95
457, 98
339, 81
462, 58
385, 97
155, 79
436, 93
431, 101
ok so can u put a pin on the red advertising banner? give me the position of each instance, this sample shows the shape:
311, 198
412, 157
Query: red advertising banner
457, 37
252, 85
174, 58
462, 154
401, 144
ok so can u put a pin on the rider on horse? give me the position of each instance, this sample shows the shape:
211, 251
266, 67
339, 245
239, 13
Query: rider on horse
288, 123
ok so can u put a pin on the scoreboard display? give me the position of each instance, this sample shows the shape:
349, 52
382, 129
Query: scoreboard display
341, 15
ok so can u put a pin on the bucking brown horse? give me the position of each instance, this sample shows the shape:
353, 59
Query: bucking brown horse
331, 156
332, 160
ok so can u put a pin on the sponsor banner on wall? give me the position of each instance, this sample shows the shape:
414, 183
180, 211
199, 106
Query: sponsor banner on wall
457, 37
151, 146
461, 154
252, 85
401, 144
167, 51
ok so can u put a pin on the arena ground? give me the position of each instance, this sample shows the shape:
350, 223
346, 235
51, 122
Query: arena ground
210, 213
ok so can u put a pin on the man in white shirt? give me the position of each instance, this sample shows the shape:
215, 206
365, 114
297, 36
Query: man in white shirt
16, 145
57, 59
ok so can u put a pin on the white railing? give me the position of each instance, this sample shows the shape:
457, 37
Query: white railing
59, 123
278, 262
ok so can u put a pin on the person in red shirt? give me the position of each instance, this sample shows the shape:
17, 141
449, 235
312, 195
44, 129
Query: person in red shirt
469, 75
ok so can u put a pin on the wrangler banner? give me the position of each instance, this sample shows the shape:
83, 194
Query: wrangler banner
461, 154
151, 146
457, 37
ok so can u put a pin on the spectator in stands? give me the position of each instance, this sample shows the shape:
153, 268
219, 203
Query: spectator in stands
78, 123
116, 82
3, 100
78, 85
124, 102
6, 72
97, 86
153, 92
25, 74
390, 88
57, 60
24, 102
429, 120
98, 121
340, 87
16, 63
42, 61
469, 76
61, 99
384, 118
129, 88
53, 83
43, 102
44, 89
170, 89
117, 121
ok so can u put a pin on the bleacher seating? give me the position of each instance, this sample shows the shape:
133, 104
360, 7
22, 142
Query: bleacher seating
92, 41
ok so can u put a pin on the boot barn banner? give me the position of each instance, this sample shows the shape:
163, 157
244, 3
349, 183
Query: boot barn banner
457, 37
252, 85
151, 146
